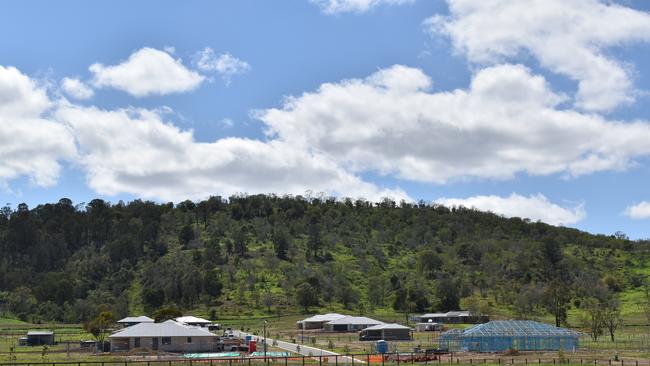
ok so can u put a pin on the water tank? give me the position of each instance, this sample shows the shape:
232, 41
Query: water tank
382, 346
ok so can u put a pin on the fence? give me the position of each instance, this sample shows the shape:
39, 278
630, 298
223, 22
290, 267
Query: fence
350, 360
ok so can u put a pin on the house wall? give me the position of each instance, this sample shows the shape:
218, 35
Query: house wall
396, 334
178, 344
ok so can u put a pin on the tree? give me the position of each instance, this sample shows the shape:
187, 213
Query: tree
281, 243
186, 235
448, 293
593, 318
100, 326
166, 313
557, 296
611, 314
306, 296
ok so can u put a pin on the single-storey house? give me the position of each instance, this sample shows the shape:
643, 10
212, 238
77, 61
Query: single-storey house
192, 320
133, 320
452, 317
350, 324
318, 321
169, 336
429, 327
39, 338
387, 332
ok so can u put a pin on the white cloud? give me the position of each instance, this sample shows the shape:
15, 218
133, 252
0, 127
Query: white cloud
638, 211
506, 122
567, 37
535, 207
134, 151
147, 71
227, 123
76, 88
354, 6
30, 145
225, 64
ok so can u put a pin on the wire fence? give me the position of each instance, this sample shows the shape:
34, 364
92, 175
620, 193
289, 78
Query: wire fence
348, 359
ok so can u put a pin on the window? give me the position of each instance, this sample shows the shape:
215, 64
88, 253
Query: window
166, 340
136, 342
189, 339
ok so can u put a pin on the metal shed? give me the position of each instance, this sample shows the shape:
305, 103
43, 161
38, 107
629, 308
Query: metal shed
39, 338
502, 335
387, 332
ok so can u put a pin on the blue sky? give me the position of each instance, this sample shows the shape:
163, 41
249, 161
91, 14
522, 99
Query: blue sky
534, 108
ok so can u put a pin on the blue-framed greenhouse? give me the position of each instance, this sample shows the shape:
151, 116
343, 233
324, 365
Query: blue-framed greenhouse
503, 335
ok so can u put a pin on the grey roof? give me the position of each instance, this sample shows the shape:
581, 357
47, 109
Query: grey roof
136, 319
522, 328
388, 326
169, 328
447, 314
322, 318
192, 320
360, 320
39, 332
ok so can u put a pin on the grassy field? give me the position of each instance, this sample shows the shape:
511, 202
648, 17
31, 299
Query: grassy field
632, 341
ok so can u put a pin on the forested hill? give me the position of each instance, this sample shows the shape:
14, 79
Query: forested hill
259, 254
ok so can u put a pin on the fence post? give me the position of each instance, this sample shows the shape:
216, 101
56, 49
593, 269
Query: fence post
303, 360
230, 362
320, 360
368, 358
412, 358
286, 361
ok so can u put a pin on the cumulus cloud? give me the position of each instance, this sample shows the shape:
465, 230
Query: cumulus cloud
355, 6
134, 151
566, 37
147, 71
225, 64
76, 88
534, 207
506, 122
638, 211
30, 145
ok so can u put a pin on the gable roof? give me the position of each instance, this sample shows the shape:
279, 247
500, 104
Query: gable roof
388, 326
192, 320
524, 328
322, 318
360, 320
170, 328
136, 319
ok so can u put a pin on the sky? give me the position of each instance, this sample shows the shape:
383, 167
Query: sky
534, 108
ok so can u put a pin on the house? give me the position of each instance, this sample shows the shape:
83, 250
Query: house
169, 336
387, 332
428, 327
452, 317
318, 321
503, 335
133, 320
194, 321
40, 338
350, 324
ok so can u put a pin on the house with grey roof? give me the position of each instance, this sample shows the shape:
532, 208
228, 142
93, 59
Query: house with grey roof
452, 317
169, 336
318, 321
387, 332
350, 324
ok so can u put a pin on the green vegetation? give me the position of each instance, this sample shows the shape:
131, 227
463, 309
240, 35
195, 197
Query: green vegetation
261, 256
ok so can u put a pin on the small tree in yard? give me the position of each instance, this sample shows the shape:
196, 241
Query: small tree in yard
99, 327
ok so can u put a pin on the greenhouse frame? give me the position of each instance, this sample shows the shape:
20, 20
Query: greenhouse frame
503, 335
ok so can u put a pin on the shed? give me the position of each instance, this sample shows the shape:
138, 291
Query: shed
169, 336
133, 320
318, 321
40, 337
192, 320
387, 332
350, 324
502, 335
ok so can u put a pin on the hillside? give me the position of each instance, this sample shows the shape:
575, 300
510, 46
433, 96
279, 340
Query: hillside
283, 255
